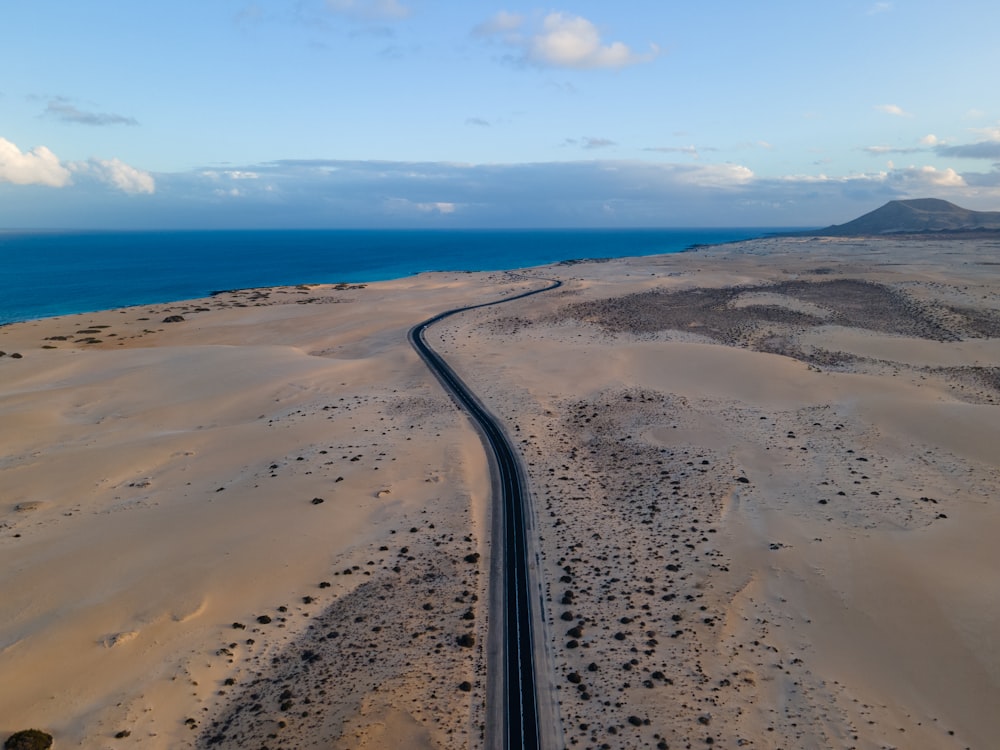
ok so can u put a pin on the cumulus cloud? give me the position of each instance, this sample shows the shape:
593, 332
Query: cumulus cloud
563, 40
117, 174
388, 10
63, 110
893, 109
927, 177
718, 176
41, 166
574, 42
36, 167
901, 181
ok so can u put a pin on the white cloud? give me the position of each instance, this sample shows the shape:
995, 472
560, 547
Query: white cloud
369, 9
117, 174
989, 134
931, 140
716, 176
919, 177
563, 41
893, 109
36, 167
909, 180
42, 167
574, 42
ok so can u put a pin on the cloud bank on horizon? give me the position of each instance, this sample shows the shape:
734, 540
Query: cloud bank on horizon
383, 113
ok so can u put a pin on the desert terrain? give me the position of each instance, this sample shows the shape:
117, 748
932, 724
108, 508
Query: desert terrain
764, 482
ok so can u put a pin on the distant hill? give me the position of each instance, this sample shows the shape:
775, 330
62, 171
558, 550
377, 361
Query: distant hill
918, 216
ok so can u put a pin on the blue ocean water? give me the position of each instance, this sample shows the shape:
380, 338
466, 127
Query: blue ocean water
55, 273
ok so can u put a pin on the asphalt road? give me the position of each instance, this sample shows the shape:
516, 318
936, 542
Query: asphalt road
520, 710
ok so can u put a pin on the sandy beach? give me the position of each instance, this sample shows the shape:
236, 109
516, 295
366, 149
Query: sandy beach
764, 479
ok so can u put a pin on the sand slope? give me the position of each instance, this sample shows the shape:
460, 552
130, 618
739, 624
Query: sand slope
760, 530
165, 486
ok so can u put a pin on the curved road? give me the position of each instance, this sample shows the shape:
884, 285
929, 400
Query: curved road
520, 711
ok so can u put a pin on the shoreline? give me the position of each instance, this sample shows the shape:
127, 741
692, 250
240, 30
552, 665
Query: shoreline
763, 476
150, 267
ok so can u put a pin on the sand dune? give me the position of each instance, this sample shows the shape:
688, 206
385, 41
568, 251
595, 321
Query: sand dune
764, 478
206, 473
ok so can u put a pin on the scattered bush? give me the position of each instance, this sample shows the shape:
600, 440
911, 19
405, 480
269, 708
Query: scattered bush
29, 739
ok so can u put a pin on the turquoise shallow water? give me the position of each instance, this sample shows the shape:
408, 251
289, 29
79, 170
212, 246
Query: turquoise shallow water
55, 273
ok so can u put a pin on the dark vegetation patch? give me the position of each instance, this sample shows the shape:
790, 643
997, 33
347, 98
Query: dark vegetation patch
983, 323
710, 312
29, 739
974, 384
302, 691
508, 325
704, 311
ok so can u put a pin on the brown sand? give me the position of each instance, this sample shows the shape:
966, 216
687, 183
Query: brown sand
764, 479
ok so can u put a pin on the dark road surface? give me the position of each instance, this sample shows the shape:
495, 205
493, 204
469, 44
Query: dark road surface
521, 728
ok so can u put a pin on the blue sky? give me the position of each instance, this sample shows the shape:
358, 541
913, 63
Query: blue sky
412, 113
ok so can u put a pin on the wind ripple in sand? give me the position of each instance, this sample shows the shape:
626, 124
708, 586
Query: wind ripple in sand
188, 610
